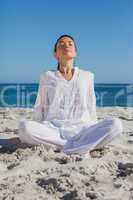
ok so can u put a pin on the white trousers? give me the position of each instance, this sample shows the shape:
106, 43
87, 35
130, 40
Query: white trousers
94, 136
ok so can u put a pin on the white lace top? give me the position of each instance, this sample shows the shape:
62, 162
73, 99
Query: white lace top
66, 103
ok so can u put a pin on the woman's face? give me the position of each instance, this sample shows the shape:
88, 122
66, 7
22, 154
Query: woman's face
65, 49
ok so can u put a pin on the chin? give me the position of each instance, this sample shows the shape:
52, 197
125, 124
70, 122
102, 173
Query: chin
69, 56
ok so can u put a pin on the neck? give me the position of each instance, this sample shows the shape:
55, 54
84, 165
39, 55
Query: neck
66, 66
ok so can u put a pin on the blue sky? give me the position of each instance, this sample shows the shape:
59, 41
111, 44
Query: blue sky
103, 30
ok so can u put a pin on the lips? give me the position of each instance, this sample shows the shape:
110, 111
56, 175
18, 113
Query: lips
67, 49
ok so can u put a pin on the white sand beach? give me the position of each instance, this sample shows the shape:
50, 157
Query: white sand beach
37, 173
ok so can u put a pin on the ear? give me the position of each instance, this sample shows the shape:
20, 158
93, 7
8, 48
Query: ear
55, 55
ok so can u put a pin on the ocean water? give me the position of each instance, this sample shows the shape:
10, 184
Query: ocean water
24, 95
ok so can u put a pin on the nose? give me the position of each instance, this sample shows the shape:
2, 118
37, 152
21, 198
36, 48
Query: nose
66, 44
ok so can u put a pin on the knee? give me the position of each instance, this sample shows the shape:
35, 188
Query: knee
26, 126
23, 127
116, 124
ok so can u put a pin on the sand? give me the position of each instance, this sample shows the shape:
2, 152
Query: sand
34, 173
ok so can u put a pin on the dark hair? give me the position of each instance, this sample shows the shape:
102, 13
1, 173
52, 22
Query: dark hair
62, 36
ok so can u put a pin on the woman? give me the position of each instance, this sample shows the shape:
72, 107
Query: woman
65, 108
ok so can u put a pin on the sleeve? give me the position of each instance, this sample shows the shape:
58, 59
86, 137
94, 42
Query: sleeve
92, 99
38, 111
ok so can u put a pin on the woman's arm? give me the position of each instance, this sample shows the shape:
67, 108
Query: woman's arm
39, 103
92, 99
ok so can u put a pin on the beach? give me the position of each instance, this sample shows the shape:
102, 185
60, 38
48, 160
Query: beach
40, 173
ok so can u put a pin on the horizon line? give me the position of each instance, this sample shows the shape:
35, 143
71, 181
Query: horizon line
38, 83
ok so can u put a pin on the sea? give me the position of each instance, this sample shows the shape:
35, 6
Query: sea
24, 95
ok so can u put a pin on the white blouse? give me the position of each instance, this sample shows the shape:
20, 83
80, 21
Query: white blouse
67, 104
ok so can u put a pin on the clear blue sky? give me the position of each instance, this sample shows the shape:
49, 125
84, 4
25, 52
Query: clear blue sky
103, 30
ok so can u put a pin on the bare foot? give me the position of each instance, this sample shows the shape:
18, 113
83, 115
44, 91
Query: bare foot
99, 152
15, 140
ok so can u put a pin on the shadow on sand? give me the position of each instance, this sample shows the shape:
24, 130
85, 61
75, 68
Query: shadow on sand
10, 145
